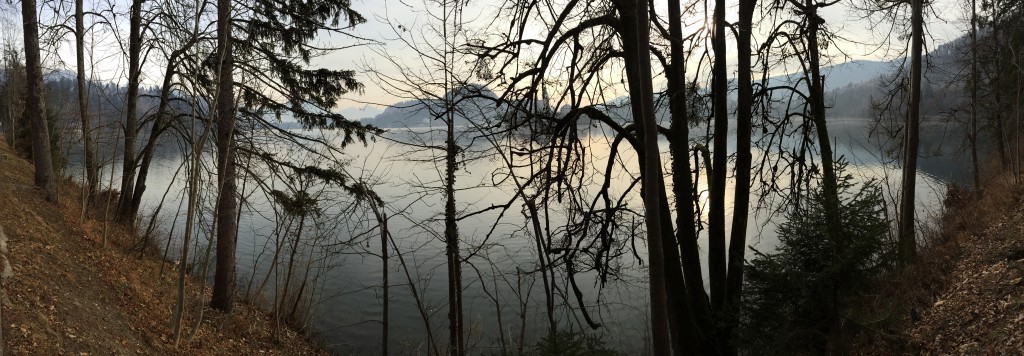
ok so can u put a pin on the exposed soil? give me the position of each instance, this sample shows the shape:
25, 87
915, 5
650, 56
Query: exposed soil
79, 288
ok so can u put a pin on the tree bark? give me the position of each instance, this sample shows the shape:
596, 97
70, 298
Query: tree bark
907, 239
829, 182
741, 202
973, 139
690, 318
635, 33
91, 165
227, 227
719, 162
124, 211
35, 109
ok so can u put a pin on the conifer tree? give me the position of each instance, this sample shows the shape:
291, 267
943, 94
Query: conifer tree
269, 44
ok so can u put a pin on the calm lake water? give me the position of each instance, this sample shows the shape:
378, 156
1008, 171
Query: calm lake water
342, 250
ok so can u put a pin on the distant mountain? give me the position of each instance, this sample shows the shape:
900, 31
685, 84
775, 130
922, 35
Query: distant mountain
362, 112
419, 113
854, 72
942, 89
849, 86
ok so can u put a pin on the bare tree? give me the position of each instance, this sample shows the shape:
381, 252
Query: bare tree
89, 145
35, 108
906, 235
125, 215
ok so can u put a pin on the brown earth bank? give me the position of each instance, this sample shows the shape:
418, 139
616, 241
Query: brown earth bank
965, 294
79, 288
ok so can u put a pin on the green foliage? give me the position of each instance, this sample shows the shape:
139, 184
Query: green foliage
567, 343
796, 297
564, 343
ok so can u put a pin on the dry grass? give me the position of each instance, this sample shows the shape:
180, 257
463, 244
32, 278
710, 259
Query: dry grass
70, 294
892, 318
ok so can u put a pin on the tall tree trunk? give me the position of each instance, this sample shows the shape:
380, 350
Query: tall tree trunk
741, 202
35, 109
830, 185
456, 343
973, 140
907, 240
1000, 131
227, 227
124, 213
719, 162
451, 234
635, 32
690, 318
91, 164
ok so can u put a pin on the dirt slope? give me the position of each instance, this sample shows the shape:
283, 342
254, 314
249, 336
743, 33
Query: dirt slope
70, 294
981, 310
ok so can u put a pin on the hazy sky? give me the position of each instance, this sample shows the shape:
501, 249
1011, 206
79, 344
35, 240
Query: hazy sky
945, 23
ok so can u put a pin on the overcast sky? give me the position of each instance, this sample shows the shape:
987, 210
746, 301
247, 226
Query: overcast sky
945, 23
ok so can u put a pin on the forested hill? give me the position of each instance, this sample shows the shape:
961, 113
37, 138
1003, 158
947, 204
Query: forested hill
853, 88
943, 83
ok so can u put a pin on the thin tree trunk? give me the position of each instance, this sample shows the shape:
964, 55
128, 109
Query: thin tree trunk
719, 163
91, 165
193, 196
636, 52
829, 182
549, 303
227, 228
689, 316
35, 110
975, 169
382, 219
451, 228
907, 239
124, 211
741, 202
1000, 131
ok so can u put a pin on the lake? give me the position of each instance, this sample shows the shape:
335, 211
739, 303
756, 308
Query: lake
341, 249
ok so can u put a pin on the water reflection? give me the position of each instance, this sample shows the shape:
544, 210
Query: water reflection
496, 278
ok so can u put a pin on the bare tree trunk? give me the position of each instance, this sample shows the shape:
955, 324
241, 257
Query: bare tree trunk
193, 196
907, 240
830, 185
227, 227
35, 109
741, 202
451, 233
549, 303
456, 343
690, 313
975, 169
124, 211
1000, 132
719, 162
636, 52
382, 219
91, 165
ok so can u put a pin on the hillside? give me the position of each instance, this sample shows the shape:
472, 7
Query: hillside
965, 295
75, 292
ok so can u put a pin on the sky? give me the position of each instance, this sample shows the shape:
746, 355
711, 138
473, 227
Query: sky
946, 23
378, 51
